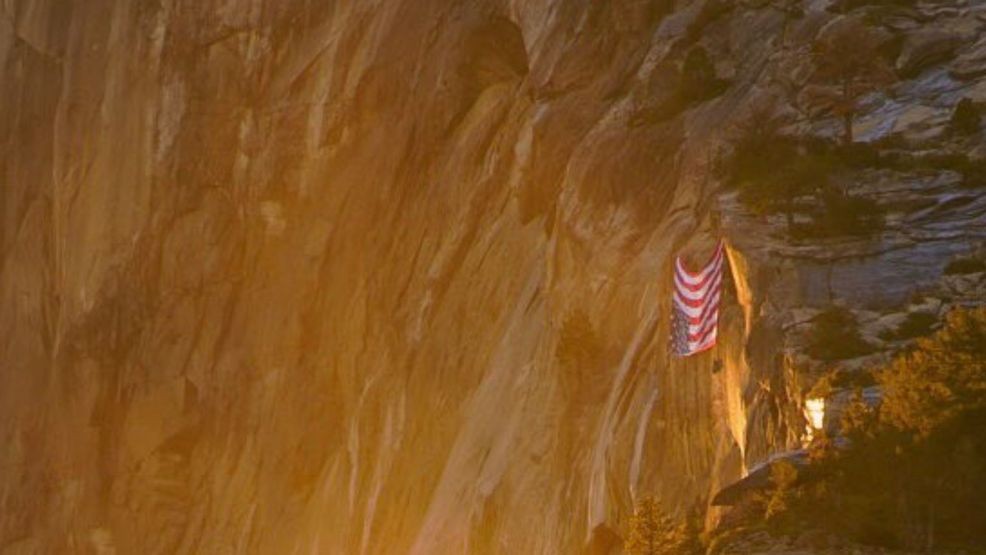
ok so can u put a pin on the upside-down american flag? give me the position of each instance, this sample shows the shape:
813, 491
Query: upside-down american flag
695, 309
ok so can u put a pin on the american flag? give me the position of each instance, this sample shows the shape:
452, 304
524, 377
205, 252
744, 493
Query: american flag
695, 311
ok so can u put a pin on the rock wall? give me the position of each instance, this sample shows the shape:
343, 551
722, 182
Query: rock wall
384, 276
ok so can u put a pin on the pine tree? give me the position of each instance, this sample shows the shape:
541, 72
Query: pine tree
943, 378
914, 471
850, 58
783, 477
652, 532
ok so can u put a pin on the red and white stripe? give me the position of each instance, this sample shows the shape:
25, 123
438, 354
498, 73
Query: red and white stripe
696, 304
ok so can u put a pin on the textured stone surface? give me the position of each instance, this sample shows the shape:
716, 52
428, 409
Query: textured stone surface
971, 63
926, 47
288, 276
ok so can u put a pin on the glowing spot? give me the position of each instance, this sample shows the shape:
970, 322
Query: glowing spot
815, 413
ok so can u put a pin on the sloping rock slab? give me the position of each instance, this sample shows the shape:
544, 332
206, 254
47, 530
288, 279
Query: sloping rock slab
758, 479
971, 63
926, 48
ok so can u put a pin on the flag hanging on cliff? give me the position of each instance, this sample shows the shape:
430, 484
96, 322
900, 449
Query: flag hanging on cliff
695, 308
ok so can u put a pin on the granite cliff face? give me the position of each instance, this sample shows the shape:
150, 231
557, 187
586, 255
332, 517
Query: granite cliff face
392, 276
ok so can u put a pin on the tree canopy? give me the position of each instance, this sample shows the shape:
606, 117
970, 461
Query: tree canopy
849, 57
914, 472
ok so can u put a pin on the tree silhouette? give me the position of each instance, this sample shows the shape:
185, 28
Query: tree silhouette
850, 58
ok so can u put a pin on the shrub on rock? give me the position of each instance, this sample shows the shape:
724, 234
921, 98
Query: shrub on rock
912, 470
847, 214
835, 336
653, 532
965, 265
698, 78
965, 118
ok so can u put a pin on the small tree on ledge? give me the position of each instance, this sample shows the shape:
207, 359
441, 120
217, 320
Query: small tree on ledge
850, 58
652, 532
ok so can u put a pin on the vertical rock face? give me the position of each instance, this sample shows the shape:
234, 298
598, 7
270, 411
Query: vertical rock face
383, 276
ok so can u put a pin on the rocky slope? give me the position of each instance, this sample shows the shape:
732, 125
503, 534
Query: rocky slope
391, 276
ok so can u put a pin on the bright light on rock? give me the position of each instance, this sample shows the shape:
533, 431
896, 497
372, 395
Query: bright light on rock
815, 413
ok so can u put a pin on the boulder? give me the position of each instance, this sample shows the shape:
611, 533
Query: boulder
929, 305
758, 478
886, 323
838, 26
